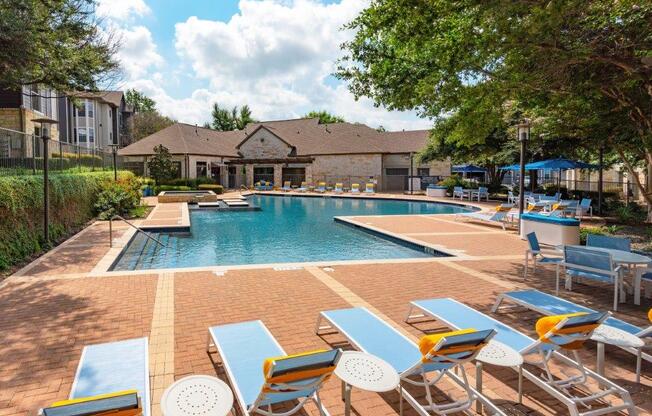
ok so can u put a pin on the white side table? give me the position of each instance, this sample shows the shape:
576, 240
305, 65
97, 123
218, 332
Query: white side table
502, 355
197, 396
605, 334
366, 372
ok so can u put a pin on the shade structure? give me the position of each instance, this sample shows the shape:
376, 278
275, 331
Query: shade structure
559, 164
510, 167
468, 169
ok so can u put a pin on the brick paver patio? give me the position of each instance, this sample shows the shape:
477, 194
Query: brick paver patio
62, 302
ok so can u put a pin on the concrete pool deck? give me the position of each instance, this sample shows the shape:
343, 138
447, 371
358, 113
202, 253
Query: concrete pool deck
61, 302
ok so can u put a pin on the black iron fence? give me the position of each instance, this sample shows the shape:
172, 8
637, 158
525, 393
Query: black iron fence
25, 154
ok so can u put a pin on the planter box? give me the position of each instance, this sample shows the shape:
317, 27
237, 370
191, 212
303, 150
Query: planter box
551, 230
436, 191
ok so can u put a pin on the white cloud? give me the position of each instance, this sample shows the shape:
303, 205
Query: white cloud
138, 52
122, 9
277, 56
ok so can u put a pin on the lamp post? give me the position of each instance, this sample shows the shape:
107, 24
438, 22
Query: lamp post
114, 151
46, 185
523, 130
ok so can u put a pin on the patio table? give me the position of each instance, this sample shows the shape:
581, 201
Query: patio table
623, 257
468, 193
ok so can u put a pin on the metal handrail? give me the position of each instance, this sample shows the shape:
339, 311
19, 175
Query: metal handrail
138, 229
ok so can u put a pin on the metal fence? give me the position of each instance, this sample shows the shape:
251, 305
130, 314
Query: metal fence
23, 154
622, 187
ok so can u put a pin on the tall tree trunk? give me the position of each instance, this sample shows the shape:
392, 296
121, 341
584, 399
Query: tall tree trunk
644, 188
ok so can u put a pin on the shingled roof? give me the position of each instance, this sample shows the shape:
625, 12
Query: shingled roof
110, 97
307, 136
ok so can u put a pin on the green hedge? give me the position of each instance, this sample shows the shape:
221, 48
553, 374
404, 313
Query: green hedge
218, 189
193, 183
72, 200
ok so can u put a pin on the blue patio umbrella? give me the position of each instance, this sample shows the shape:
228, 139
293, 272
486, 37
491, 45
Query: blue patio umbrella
559, 164
468, 169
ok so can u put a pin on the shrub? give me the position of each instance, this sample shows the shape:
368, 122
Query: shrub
218, 189
629, 213
117, 199
453, 181
72, 204
190, 182
162, 188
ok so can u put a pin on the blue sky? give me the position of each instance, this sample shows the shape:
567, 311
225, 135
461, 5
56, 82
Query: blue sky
277, 56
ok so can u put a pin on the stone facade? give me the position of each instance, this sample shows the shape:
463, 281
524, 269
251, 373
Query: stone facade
357, 168
263, 144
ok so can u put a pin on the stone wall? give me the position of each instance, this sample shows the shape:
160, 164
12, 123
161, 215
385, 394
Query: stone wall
10, 118
348, 169
264, 145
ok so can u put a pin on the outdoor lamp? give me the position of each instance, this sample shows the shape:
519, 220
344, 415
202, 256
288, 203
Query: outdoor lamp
523, 131
45, 121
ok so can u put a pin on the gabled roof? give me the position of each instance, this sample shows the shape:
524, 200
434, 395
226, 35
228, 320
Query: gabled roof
113, 98
307, 136
182, 139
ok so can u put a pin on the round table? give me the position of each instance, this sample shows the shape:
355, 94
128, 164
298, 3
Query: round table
605, 334
197, 396
624, 257
366, 372
497, 353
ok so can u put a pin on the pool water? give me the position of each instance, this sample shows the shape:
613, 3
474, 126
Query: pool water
286, 230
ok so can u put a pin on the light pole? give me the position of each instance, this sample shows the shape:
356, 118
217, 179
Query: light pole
523, 130
114, 151
46, 185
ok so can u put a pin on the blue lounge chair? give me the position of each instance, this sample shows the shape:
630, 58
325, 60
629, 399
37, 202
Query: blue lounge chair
368, 333
303, 187
105, 369
535, 253
355, 188
260, 381
497, 217
321, 187
458, 191
605, 241
369, 188
482, 192
546, 304
585, 208
540, 352
339, 188
584, 263
287, 186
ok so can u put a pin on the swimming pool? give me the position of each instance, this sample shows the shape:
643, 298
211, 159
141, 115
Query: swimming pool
286, 230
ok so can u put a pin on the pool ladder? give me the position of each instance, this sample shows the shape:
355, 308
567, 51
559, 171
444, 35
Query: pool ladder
138, 229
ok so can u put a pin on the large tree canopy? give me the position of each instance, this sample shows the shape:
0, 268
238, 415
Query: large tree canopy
57, 43
234, 119
324, 117
587, 63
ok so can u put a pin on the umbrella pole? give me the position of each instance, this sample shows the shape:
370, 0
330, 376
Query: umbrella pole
559, 181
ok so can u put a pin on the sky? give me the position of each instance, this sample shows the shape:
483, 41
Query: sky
277, 56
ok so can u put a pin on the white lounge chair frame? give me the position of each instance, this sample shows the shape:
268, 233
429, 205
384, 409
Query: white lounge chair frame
638, 352
556, 388
255, 407
423, 410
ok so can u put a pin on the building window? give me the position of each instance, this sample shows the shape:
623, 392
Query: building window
202, 170
423, 172
90, 108
81, 135
35, 98
397, 171
81, 110
264, 174
91, 135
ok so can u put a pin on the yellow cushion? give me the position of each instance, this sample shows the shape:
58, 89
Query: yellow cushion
546, 324
294, 376
91, 398
649, 315
428, 342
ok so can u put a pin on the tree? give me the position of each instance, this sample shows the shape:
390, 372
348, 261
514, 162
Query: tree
147, 123
440, 56
324, 117
234, 119
139, 101
57, 43
161, 167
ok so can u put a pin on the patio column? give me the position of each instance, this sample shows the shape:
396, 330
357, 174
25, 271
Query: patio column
249, 175
309, 173
278, 174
